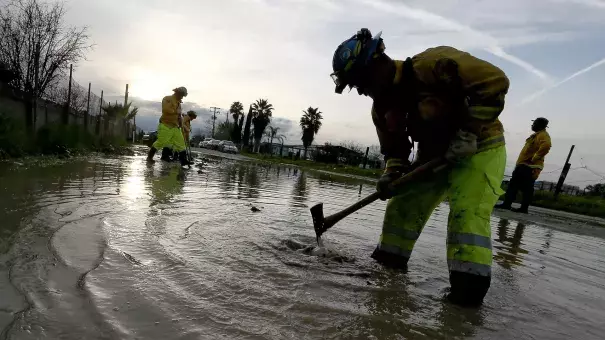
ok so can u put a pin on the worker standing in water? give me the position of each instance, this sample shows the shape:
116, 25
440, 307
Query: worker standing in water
529, 165
449, 102
169, 131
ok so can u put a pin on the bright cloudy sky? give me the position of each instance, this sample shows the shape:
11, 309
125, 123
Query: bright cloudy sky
552, 50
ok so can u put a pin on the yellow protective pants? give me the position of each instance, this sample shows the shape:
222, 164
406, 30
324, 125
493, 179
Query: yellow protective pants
473, 188
169, 137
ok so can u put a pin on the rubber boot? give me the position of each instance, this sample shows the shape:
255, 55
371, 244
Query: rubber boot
390, 260
150, 155
183, 159
468, 290
166, 153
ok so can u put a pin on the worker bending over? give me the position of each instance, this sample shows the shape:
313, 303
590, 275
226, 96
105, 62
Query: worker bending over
449, 102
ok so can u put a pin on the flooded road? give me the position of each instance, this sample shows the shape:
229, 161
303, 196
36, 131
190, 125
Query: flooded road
111, 248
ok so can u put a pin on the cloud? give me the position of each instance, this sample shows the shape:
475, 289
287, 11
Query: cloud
436, 20
559, 83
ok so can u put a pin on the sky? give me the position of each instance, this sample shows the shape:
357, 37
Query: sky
553, 52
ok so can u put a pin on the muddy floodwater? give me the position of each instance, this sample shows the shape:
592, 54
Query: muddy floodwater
111, 248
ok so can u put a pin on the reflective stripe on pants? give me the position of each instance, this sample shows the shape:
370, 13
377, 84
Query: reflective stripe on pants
473, 188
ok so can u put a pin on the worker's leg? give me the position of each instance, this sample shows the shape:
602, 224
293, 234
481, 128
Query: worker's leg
405, 217
178, 144
511, 191
164, 141
527, 189
474, 189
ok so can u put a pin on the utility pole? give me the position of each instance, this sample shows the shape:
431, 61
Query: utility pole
126, 96
564, 173
214, 118
87, 109
67, 104
365, 161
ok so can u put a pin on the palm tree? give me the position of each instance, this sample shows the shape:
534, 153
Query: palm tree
262, 112
310, 122
273, 134
236, 110
114, 111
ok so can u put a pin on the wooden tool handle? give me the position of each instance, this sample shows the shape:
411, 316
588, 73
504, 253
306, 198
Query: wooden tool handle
432, 166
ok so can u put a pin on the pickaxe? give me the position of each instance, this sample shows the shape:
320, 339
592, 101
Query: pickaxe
322, 224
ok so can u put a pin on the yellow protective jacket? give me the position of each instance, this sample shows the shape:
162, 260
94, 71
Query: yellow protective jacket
187, 124
186, 127
436, 93
171, 111
535, 149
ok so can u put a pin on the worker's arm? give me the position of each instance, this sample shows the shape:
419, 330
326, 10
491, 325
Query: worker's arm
187, 124
544, 145
394, 142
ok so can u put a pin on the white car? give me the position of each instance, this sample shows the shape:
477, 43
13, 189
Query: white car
228, 147
213, 144
204, 143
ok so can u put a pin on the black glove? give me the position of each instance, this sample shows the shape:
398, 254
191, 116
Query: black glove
382, 186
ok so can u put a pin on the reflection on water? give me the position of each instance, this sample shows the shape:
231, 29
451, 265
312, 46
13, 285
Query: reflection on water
509, 252
116, 248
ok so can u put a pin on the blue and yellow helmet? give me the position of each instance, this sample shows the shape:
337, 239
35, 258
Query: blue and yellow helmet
352, 55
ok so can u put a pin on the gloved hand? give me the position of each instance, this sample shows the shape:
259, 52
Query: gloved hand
463, 145
395, 168
382, 186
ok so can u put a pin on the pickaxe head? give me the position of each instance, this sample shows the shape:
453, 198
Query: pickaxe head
317, 213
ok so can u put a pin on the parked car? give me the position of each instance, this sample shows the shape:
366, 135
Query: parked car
213, 144
227, 146
204, 143
149, 138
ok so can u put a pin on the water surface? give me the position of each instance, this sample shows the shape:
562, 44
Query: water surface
111, 248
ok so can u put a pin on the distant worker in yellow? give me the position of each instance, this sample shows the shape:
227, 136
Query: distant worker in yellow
169, 129
191, 115
529, 165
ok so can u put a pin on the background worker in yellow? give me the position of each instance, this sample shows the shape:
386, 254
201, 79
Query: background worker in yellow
169, 129
529, 165
191, 115
449, 102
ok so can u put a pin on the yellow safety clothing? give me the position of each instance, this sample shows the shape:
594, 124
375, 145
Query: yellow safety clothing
536, 148
472, 187
169, 137
171, 111
437, 93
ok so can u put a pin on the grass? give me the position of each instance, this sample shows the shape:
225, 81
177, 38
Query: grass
583, 205
306, 164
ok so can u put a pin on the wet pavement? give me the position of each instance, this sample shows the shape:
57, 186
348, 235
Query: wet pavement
111, 248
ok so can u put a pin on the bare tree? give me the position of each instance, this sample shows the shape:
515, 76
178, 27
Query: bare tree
78, 97
37, 46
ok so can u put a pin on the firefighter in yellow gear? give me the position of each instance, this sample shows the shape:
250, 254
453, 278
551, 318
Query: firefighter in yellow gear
529, 166
191, 115
447, 101
170, 136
